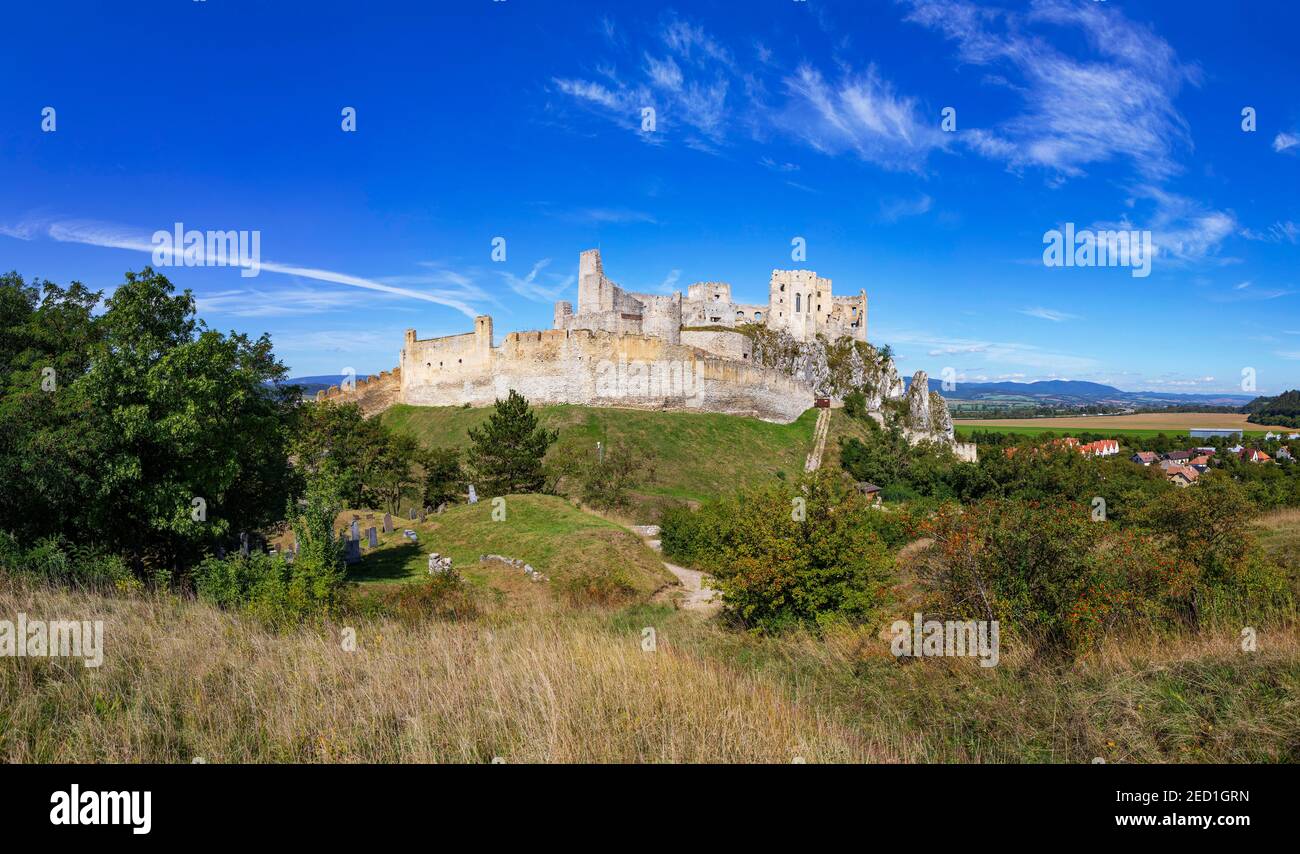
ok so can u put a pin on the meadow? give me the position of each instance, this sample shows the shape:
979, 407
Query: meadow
185, 681
1144, 424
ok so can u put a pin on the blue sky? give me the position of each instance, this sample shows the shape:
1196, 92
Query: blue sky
819, 120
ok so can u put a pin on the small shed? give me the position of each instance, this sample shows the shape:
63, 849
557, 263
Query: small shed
870, 490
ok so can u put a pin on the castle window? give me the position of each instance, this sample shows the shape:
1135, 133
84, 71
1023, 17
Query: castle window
758, 315
460, 361
798, 303
428, 364
783, 289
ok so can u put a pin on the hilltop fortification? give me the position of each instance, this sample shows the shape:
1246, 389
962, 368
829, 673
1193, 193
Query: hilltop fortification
700, 351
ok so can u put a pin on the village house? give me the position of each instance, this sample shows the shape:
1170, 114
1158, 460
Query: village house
1254, 455
1182, 475
1145, 458
1100, 448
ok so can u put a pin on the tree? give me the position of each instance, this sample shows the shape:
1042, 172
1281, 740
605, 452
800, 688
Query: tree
443, 478
389, 469
785, 554
605, 478
159, 438
507, 451
339, 438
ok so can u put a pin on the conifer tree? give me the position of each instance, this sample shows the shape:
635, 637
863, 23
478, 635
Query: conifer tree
507, 451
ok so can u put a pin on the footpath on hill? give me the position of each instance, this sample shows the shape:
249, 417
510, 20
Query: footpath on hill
698, 597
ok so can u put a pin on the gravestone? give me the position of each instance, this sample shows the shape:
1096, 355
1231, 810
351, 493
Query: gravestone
351, 551
412, 512
473, 496
422, 514
356, 531
373, 536
243, 544
388, 523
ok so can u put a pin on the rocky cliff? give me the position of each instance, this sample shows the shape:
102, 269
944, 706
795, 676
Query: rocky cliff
836, 368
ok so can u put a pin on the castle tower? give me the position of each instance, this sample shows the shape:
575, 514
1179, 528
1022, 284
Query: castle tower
595, 292
483, 334
563, 313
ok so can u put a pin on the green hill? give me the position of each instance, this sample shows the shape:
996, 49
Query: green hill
559, 540
697, 455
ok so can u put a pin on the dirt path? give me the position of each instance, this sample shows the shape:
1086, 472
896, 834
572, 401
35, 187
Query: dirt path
823, 427
697, 596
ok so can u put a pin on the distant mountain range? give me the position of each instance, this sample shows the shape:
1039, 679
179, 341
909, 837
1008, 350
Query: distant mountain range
311, 385
1076, 393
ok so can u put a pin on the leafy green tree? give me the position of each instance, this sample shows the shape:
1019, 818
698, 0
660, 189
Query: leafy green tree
160, 438
390, 469
1053, 578
786, 554
604, 478
444, 481
1211, 523
336, 437
506, 453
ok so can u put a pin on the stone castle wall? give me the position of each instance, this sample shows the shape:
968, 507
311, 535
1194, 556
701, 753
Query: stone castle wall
373, 395
597, 368
728, 345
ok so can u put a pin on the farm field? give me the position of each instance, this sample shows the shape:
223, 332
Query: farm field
1148, 423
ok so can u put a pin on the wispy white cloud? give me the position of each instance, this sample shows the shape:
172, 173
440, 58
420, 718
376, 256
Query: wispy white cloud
862, 114
1286, 142
992, 356
1048, 314
529, 287
109, 235
1278, 232
1116, 103
892, 210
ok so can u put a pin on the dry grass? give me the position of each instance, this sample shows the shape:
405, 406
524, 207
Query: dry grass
181, 680
1154, 698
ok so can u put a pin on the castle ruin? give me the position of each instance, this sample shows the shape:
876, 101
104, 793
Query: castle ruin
621, 348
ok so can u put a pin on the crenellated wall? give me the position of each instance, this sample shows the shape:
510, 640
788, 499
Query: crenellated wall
374, 394
598, 368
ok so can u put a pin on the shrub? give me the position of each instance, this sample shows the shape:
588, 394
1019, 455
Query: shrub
444, 596
608, 587
604, 479
776, 570
54, 561
278, 591
1048, 574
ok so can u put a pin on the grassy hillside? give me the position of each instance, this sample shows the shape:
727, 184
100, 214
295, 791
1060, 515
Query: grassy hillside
697, 455
556, 538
